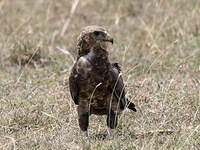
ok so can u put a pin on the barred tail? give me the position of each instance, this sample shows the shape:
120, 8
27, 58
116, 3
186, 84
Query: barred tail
126, 103
130, 105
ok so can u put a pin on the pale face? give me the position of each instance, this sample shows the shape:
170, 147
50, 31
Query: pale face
93, 36
99, 39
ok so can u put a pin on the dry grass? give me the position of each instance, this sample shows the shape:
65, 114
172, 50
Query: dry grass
157, 44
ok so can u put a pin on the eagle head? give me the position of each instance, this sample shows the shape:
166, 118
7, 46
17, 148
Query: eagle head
93, 36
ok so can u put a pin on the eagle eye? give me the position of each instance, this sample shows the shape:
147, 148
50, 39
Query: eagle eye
96, 33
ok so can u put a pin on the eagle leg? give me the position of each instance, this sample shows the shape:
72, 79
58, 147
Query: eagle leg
112, 119
85, 134
109, 132
83, 118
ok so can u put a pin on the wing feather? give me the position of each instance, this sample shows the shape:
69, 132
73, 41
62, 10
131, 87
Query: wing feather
73, 85
118, 88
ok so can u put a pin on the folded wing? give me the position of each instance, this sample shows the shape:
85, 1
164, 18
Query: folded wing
118, 89
73, 85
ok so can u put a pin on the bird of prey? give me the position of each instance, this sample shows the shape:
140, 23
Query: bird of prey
96, 85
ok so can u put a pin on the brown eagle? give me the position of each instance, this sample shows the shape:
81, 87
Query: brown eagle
96, 85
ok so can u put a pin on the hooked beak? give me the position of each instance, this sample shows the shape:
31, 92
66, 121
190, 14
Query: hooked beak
108, 38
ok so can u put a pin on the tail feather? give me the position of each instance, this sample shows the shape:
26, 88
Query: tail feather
126, 103
130, 105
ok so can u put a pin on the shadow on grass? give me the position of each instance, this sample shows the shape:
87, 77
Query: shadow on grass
151, 133
100, 136
133, 135
104, 136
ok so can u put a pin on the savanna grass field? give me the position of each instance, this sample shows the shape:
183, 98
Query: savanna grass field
157, 44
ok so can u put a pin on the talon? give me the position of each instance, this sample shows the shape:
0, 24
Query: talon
109, 132
85, 134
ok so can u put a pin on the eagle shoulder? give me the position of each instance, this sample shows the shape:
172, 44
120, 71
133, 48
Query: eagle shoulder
83, 66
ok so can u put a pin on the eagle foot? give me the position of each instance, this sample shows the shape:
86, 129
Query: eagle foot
85, 134
110, 134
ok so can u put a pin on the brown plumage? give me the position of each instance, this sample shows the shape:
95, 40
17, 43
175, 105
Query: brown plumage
96, 85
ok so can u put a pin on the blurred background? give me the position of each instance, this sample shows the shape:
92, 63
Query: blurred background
157, 44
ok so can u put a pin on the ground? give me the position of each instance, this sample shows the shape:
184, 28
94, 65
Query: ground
157, 43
